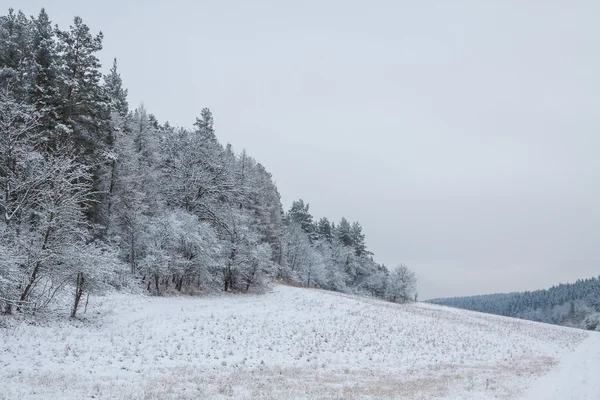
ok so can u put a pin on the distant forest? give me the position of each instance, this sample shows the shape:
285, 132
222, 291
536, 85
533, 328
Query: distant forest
571, 304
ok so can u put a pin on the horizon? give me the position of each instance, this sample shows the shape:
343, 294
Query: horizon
516, 292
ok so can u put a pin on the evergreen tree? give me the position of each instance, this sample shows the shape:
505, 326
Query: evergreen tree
113, 86
299, 214
344, 232
15, 41
84, 107
358, 239
45, 69
325, 229
204, 125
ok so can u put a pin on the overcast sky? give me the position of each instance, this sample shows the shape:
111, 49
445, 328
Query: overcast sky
464, 136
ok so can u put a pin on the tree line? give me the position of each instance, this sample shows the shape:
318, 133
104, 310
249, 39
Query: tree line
335, 257
572, 304
96, 195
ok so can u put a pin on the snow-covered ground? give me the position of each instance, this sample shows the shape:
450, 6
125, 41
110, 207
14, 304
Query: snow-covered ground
292, 343
576, 377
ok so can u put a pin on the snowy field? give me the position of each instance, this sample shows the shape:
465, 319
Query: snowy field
291, 343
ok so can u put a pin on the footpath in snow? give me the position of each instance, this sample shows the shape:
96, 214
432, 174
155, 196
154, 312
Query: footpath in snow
577, 376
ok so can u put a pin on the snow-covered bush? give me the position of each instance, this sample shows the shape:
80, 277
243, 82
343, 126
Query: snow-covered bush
90, 268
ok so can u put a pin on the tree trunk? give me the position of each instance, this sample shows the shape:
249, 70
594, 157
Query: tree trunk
87, 300
111, 189
132, 253
228, 273
36, 270
78, 293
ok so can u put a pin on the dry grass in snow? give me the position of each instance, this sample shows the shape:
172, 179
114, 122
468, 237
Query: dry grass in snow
289, 343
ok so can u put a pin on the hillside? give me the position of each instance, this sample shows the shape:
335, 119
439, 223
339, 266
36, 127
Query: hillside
572, 304
288, 343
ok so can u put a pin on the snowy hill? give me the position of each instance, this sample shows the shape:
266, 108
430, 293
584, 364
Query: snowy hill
572, 304
289, 343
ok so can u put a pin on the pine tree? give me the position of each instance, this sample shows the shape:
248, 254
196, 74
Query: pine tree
299, 214
325, 229
113, 85
85, 107
204, 125
344, 232
15, 41
45, 69
358, 239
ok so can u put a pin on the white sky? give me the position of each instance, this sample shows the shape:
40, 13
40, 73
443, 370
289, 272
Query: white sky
464, 136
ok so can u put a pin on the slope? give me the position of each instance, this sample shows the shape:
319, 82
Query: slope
289, 343
575, 378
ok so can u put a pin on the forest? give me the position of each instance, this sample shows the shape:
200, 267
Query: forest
571, 304
97, 196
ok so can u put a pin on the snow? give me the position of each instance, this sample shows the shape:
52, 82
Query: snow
289, 343
577, 376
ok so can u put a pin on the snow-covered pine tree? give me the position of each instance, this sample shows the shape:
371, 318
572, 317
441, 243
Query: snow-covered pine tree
117, 94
